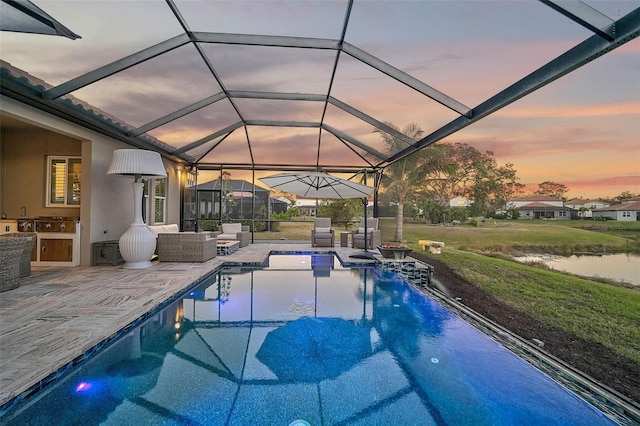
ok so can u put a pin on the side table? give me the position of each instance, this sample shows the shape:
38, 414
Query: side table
344, 239
106, 253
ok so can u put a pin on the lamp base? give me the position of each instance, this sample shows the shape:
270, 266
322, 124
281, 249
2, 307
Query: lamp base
137, 245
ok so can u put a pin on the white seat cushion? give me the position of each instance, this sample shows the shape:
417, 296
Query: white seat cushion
164, 229
231, 228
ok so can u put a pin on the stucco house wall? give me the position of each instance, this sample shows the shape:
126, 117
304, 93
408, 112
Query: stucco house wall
106, 203
625, 212
589, 205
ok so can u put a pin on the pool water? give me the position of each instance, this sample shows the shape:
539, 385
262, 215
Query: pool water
306, 340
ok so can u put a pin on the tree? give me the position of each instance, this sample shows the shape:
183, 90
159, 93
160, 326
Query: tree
468, 172
340, 211
625, 195
552, 189
403, 177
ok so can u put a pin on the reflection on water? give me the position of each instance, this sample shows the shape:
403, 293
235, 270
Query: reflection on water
620, 267
361, 347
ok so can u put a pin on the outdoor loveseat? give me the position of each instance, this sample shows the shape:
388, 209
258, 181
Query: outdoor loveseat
186, 246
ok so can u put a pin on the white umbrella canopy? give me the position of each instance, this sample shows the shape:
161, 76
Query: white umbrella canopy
322, 185
316, 185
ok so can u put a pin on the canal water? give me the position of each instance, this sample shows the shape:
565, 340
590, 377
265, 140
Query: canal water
619, 267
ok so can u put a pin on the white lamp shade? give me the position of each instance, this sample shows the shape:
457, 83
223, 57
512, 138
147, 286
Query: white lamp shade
132, 162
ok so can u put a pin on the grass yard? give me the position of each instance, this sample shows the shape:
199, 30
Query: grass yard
559, 237
597, 312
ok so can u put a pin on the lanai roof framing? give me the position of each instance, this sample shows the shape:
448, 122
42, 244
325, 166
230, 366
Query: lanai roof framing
608, 34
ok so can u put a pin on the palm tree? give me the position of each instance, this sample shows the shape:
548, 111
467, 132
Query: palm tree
403, 177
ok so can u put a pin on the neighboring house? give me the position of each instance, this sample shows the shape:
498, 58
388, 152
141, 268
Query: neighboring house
585, 207
545, 199
279, 205
630, 200
460, 202
541, 207
537, 210
238, 190
306, 207
627, 211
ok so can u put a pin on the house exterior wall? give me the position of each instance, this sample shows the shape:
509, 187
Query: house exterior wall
627, 215
545, 214
106, 204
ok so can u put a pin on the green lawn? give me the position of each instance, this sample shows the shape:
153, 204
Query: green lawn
597, 312
517, 235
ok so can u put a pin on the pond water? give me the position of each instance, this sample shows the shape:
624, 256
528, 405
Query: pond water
620, 267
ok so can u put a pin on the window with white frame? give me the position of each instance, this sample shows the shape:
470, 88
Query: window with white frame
64, 177
154, 201
626, 214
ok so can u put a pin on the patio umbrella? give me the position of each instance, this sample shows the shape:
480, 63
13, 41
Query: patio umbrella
321, 185
311, 350
317, 185
22, 16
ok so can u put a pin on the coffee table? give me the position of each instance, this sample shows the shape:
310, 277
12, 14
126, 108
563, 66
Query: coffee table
227, 247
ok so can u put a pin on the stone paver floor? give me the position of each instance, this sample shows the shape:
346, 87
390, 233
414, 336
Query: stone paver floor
57, 314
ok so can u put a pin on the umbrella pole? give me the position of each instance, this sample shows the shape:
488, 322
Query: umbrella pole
365, 202
366, 254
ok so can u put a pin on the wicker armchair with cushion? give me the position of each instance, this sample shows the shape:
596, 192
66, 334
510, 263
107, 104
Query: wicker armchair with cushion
11, 250
235, 231
25, 259
186, 246
374, 237
322, 235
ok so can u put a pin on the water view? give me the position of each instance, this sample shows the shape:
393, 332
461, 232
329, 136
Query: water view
306, 340
620, 267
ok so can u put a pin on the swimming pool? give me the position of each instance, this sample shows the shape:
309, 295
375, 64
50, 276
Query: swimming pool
305, 338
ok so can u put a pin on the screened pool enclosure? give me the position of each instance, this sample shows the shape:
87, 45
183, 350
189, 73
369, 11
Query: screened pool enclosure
255, 88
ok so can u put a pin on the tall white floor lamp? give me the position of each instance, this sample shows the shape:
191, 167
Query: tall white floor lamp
138, 243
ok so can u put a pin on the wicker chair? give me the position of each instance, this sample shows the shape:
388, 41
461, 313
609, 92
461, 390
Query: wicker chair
25, 259
235, 231
186, 247
374, 237
322, 235
11, 250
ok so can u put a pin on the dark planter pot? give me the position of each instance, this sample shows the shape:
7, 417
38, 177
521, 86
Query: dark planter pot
394, 252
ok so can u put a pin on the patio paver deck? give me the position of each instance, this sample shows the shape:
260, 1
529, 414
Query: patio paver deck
57, 314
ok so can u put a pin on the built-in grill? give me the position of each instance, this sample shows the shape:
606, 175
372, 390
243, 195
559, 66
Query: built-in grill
47, 224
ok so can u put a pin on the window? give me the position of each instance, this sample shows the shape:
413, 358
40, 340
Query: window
160, 200
64, 180
562, 214
155, 207
626, 214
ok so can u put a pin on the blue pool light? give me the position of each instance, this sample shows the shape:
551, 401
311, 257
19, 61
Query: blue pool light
83, 387
299, 422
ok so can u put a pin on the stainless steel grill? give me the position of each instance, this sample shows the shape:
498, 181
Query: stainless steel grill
47, 224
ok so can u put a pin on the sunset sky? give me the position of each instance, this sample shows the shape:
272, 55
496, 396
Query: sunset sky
582, 130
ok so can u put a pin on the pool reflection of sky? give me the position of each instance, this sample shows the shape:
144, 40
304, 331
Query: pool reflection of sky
425, 365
